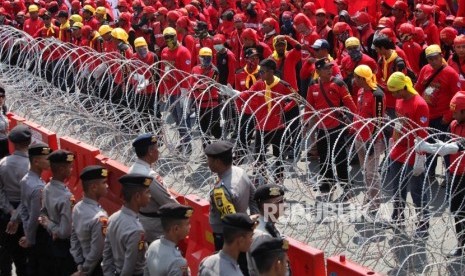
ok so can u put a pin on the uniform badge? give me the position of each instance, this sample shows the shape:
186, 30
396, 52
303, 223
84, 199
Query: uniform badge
141, 241
104, 222
423, 119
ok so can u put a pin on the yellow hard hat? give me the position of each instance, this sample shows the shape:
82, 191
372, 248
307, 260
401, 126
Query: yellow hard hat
77, 25
75, 18
169, 31
433, 50
104, 29
101, 10
352, 41
140, 42
120, 34
33, 8
88, 8
205, 51
365, 72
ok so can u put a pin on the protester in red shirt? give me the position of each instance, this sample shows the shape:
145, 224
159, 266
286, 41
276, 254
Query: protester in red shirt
406, 167
323, 30
249, 39
425, 21
342, 31
447, 36
33, 23
48, 30
225, 60
183, 35
457, 60
270, 29
322, 97
400, 12
88, 17
364, 27
235, 41
306, 34
412, 49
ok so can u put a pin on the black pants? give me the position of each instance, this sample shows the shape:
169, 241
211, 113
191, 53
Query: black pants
327, 142
246, 128
262, 140
39, 256
293, 128
63, 262
209, 121
457, 206
218, 240
4, 151
10, 251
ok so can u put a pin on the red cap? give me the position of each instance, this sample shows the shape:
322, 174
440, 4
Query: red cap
448, 35
302, 19
389, 33
320, 11
400, 5
86, 30
419, 35
458, 101
52, 4
125, 16
406, 28
173, 15
76, 5
459, 40
149, 10
136, 3
239, 17
250, 34
162, 10
427, 9
219, 39
459, 22
450, 17
310, 6
385, 22
122, 3
340, 27
183, 22
192, 9
362, 18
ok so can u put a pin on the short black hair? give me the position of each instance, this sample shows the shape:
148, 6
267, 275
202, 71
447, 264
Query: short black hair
268, 63
168, 223
129, 192
230, 234
141, 152
265, 262
385, 42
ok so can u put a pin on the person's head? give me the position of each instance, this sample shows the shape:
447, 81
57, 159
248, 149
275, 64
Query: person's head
141, 47
249, 38
459, 46
269, 25
33, 11
2, 96
149, 12
457, 106
302, 24
218, 43
94, 181
321, 48
101, 14
76, 29
20, 17
362, 20
20, 136
62, 17
87, 12
182, 24
353, 48
309, 9
447, 36
239, 20
386, 9
252, 58
205, 57
270, 255
400, 9
201, 29
122, 6
321, 19
341, 5
406, 31
175, 220
434, 56
119, 36
269, 199
75, 18
324, 68
423, 11
105, 32
383, 45
61, 164
400, 86
169, 34
38, 156
342, 31
146, 147
219, 156
364, 77
136, 189
280, 45
267, 69
238, 231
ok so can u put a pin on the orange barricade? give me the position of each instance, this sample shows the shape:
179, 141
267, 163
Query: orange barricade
112, 201
201, 238
305, 260
338, 265
84, 156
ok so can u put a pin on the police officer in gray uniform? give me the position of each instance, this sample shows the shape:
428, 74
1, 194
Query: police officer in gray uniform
163, 256
125, 245
35, 236
146, 149
12, 170
90, 222
233, 191
270, 200
238, 231
270, 255
58, 202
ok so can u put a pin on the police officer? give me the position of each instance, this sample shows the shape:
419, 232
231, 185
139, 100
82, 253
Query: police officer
58, 202
12, 170
35, 236
233, 191
163, 257
146, 150
238, 231
270, 200
90, 222
125, 244
270, 254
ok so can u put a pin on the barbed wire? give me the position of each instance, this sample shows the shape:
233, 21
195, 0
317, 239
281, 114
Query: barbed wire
106, 101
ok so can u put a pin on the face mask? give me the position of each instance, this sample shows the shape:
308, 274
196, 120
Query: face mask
218, 47
122, 46
205, 61
287, 23
343, 37
142, 52
171, 42
355, 54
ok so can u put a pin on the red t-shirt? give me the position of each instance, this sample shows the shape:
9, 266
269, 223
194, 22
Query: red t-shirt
457, 160
459, 67
413, 119
348, 65
288, 70
178, 58
413, 51
204, 94
31, 26
368, 107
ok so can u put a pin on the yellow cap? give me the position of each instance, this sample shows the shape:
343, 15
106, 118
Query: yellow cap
33, 8
140, 42
120, 34
89, 8
432, 50
101, 10
352, 41
398, 81
365, 72
77, 25
205, 51
169, 31
104, 29
75, 18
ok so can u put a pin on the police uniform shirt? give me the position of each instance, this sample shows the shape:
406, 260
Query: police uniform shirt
88, 233
159, 196
12, 169
31, 203
238, 191
125, 246
163, 258
219, 264
58, 202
